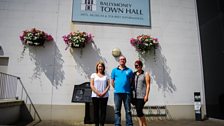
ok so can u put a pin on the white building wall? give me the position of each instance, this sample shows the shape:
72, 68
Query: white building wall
49, 73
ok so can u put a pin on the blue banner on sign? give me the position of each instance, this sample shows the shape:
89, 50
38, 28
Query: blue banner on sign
129, 12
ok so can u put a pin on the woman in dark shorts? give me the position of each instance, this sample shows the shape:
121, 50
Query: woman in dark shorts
142, 88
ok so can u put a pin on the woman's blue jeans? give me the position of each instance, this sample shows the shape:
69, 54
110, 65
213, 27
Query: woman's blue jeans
126, 98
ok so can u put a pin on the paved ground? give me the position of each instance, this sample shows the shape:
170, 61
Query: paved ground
210, 122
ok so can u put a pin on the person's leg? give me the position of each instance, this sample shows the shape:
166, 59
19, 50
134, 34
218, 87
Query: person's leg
139, 109
143, 121
117, 110
103, 110
96, 110
127, 106
139, 122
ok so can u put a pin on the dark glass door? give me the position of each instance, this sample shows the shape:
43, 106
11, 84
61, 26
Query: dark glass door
211, 25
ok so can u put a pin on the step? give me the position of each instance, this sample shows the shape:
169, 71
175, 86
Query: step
14, 112
152, 111
10, 102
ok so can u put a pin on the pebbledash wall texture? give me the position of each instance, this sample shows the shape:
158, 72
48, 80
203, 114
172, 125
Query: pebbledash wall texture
49, 73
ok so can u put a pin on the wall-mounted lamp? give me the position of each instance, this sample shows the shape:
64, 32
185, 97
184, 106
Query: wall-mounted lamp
116, 52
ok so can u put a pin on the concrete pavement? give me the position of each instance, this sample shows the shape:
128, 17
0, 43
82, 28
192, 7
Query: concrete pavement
210, 122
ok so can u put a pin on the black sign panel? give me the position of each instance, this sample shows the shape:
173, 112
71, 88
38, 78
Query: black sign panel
82, 93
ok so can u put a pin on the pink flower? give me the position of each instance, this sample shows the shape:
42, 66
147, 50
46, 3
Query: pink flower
21, 37
89, 38
49, 38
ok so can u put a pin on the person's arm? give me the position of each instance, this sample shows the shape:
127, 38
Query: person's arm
147, 79
112, 78
107, 88
93, 88
112, 82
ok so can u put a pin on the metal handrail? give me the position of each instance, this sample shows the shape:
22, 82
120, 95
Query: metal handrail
9, 90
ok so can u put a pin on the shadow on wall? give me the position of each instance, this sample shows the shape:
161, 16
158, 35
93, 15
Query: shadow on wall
86, 59
155, 62
47, 60
1, 50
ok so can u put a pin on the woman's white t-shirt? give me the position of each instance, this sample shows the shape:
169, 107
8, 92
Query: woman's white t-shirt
100, 83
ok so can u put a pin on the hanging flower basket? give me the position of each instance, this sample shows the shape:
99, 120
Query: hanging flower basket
144, 43
77, 39
35, 37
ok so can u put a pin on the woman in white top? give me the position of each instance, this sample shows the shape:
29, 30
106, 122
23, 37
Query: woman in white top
100, 85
